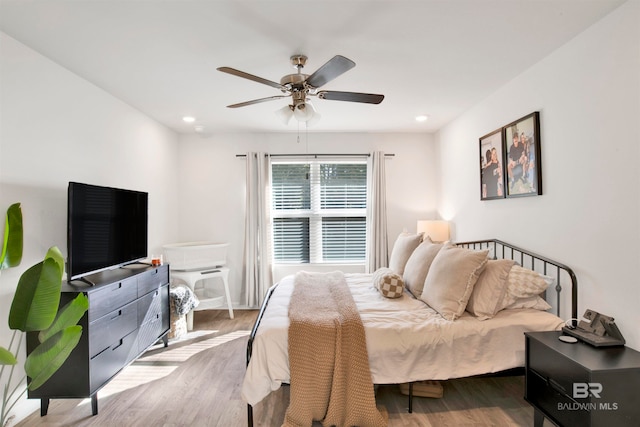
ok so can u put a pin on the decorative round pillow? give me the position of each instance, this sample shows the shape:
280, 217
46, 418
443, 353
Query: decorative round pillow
388, 283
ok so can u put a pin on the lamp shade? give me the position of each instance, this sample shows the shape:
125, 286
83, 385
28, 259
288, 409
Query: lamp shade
437, 230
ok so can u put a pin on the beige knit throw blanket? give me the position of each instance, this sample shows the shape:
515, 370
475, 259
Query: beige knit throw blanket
328, 360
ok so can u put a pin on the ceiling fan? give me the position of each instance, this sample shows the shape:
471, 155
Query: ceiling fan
301, 86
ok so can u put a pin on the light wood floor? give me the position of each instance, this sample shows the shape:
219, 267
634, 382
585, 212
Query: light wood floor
197, 382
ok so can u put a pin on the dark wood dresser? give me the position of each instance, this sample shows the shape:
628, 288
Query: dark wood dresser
128, 312
581, 385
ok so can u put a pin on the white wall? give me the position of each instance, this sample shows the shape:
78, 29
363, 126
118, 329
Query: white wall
212, 182
588, 95
56, 127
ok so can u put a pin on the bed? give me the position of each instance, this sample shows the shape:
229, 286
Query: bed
409, 341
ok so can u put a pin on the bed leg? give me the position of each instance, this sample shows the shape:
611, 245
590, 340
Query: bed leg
249, 415
410, 397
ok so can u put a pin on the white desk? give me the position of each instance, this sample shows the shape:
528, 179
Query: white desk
190, 278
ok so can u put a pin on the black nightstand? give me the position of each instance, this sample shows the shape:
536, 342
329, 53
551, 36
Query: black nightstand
580, 385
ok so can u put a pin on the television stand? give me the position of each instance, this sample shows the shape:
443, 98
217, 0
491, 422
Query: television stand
128, 313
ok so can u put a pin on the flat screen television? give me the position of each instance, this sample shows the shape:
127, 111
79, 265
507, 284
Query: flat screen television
106, 228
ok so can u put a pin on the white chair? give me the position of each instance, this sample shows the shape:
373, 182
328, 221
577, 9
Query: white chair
195, 262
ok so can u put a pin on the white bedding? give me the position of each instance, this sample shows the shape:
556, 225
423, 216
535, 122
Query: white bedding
406, 340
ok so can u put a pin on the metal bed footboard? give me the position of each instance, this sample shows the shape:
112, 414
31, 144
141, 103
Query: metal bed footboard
498, 250
252, 336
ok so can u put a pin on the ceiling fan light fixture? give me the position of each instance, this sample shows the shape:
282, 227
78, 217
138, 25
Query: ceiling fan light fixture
285, 113
315, 119
304, 111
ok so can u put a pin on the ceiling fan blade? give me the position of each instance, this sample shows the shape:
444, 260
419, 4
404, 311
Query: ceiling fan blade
330, 70
256, 101
369, 98
248, 76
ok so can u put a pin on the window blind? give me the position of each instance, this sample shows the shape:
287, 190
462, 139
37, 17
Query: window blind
291, 186
319, 211
343, 239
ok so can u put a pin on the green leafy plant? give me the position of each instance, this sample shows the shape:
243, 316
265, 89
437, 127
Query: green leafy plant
11, 254
35, 309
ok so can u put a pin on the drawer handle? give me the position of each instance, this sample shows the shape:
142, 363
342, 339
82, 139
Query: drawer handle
119, 287
119, 344
557, 386
99, 353
117, 315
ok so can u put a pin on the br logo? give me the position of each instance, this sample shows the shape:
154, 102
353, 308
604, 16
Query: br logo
583, 390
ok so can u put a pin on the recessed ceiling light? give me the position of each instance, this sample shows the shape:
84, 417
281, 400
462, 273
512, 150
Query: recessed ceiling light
422, 118
189, 119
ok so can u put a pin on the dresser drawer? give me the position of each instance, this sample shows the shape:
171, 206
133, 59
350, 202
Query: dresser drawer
106, 299
153, 316
111, 327
555, 403
107, 363
149, 332
153, 279
550, 364
150, 307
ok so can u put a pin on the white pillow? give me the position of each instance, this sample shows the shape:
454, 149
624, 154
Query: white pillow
524, 283
490, 290
403, 247
417, 267
451, 278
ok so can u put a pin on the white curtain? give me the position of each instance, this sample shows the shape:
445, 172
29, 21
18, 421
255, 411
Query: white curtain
257, 254
377, 214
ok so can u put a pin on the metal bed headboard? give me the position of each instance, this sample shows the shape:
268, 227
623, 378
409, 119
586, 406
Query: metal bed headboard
560, 272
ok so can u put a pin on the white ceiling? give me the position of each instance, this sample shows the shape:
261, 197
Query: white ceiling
431, 57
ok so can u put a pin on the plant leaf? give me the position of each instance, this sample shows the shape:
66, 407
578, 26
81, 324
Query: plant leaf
55, 254
11, 254
47, 358
67, 316
6, 357
37, 296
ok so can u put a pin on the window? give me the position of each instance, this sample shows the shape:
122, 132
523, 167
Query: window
319, 211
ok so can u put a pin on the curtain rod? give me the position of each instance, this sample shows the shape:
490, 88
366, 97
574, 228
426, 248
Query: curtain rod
317, 155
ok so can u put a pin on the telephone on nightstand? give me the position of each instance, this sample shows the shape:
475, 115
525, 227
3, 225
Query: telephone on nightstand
599, 331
